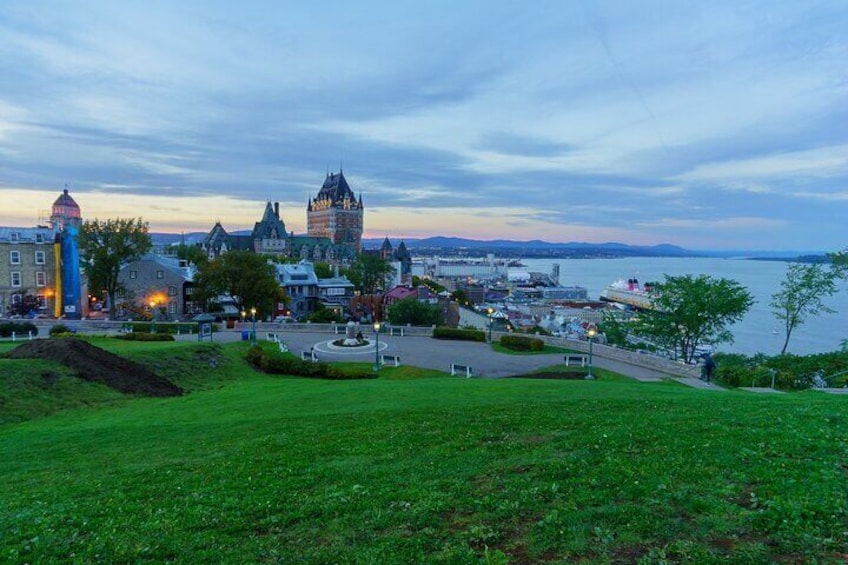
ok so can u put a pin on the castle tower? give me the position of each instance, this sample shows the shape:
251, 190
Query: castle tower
336, 213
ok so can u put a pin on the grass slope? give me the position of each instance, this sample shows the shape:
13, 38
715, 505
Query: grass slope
260, 469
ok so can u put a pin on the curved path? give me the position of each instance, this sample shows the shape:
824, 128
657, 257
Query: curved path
438, 354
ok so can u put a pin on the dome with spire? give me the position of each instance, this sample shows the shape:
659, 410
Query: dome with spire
65, 212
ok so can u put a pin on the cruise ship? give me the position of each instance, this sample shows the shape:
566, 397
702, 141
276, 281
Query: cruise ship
629, 293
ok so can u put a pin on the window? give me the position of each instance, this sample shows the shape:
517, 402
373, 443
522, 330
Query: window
160, 274
17, 298
15, 257
133, 274
172, 291
16, 278
172, 307
39, 238
15, 236
39, 257
42, 301
40, 279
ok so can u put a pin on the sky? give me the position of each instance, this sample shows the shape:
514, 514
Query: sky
709, 125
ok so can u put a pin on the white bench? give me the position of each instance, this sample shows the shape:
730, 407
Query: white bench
574, 360
283, 347
461, 369
272, 336
393, 360
308, 356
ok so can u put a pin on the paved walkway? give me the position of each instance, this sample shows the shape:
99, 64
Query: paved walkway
437, 354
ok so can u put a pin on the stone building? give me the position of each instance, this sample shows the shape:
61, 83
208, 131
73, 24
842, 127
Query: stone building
27, 267
269, 237
336, 213
166, 282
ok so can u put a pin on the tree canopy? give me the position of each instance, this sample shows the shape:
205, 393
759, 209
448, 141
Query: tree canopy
690, 311
105, 246
802, 293
368, 272
412, 311
248, 278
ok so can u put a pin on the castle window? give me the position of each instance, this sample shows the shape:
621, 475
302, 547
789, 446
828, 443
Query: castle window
39, 257
15, 257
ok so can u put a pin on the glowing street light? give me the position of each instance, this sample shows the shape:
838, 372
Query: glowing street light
153, 314
377, 346
490, 312
253, 318
591, 332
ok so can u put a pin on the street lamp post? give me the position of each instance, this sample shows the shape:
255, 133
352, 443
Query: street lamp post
153, 316
591, 332
253, 319
377, 346
490, 311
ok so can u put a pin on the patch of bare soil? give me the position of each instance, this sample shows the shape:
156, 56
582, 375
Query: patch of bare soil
97, 365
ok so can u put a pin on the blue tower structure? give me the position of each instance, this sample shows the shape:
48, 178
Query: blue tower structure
71, 280
66, 221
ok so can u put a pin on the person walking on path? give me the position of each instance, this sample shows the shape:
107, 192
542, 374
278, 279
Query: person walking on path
709, 367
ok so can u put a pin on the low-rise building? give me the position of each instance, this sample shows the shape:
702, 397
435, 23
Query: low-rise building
27, 267
300, 285
165, 282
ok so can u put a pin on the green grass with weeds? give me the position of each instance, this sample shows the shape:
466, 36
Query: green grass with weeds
264, 469
546, 350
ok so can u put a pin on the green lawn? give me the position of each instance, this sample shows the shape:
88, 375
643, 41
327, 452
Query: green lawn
251, 468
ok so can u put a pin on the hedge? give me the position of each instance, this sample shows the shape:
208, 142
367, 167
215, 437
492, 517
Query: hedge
145, 336
522, 343
19, 328
286, 364
466, 335
167, 327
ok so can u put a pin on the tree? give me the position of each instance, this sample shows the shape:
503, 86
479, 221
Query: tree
247, 277
322, 270
194, 254
412, 311
368, 272
691, 311
25, 305
324, 315
802, 293
105, 246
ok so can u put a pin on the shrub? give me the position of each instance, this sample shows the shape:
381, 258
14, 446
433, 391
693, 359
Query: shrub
168, 327
18, 328
145, 336
60, 329
286, 364
522, 343
466, 335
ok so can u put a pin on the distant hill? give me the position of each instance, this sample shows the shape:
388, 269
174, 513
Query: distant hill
529, 249
536, 248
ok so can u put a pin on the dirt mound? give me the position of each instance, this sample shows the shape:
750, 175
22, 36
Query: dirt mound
97, 365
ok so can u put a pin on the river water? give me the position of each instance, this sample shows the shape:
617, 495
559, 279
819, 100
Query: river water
758, 332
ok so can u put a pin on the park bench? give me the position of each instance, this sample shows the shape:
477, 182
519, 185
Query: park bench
283, 347
308, 355
272, 336
393, 360
575, 360
457, 369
